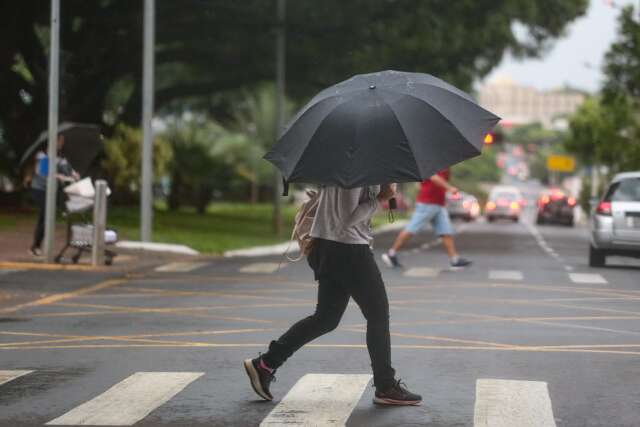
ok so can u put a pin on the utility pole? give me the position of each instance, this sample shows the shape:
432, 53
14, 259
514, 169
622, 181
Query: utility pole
280, 79
52, 150
146, 193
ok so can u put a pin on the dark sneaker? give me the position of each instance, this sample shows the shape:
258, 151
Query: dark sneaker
462, 262
391, 261
397, 395
260, 378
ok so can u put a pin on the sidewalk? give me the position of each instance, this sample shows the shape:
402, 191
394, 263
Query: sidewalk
14, 253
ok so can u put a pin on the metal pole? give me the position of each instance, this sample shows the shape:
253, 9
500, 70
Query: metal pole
99, 223
146, 195
52, 188
280, 79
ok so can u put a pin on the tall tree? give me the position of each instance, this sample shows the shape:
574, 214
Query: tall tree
209, 47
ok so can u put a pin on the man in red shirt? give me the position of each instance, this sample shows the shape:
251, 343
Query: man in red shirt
429, 208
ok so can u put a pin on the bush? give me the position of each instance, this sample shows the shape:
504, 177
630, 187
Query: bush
122, 162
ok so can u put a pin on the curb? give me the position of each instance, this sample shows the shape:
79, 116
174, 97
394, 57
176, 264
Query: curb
291, 247
156, 247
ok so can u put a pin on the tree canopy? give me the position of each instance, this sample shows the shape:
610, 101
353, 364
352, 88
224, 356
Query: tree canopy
206, 48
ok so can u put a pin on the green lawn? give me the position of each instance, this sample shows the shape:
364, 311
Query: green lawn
225, 226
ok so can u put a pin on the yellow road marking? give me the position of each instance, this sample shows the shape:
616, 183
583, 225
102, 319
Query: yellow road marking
63, 296
438, 338
8, 265
332, 346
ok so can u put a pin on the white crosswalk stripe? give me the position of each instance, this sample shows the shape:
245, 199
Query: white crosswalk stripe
590, 278
505, 275
130, 400
319, 400
507, 403
180, 267
422, 272
6, 376
261, 267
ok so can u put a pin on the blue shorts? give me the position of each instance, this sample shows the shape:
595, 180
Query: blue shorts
435, 214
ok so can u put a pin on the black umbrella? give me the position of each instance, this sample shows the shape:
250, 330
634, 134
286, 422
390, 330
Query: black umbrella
82, 143
381, 127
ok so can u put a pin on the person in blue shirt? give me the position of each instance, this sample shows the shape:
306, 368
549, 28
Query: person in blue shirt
64, 173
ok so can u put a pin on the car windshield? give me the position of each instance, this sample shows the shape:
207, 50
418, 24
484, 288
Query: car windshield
624, 191
505, 195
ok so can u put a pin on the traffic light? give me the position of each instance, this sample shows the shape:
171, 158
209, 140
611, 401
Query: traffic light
495, 137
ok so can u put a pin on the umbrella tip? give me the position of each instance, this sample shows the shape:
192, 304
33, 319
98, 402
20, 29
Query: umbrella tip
372, 86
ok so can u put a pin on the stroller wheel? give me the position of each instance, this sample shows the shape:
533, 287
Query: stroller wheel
75, 258
108, 260
57, 259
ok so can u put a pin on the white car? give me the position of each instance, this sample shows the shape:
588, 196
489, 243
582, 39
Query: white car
615, 221
504, 202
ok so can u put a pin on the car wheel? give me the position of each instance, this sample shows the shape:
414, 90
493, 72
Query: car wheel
490, 218
539, 220
597, 257
515, 219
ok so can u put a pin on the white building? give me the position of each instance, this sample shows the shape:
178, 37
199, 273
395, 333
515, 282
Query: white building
519, 105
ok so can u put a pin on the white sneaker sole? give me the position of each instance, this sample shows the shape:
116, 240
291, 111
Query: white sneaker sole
392, 402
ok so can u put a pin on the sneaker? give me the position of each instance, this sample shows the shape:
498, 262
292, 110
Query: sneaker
397, 395
391, 261
35, 251
260, 378
461, 262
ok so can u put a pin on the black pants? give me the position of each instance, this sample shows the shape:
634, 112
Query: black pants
343, 271
40, 200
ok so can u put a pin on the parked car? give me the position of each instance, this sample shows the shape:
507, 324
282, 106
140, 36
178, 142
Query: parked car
463, 205
504, 202
555, 206
615, 221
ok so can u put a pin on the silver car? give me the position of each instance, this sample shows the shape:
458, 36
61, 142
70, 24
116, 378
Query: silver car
615, 222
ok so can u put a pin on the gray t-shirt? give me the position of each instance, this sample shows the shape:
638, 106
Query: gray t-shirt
345, 215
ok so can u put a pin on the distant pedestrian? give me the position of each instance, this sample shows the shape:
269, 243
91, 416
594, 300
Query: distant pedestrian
343, 264
39, 189
430, 207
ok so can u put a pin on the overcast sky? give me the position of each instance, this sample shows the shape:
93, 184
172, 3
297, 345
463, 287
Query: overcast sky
575, 59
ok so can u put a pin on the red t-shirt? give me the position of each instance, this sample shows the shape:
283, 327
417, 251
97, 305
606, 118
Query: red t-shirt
431, 193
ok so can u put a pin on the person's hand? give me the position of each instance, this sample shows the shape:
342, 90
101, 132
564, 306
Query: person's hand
387, 191
454, 190
75, 175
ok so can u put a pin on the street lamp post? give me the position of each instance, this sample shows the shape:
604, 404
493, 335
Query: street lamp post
280, 81
52, 188
146, 193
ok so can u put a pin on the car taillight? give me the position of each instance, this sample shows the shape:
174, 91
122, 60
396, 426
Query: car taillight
466, 204
490, 206
604, 208
515, 205
571, 201
544, 200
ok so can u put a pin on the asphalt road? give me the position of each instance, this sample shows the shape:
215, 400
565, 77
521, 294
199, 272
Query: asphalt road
529, 335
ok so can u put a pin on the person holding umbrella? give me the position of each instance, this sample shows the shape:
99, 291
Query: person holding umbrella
352, 139
64, 173
344, 266
430, 204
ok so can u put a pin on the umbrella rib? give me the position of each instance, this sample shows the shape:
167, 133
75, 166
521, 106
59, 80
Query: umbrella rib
434, 109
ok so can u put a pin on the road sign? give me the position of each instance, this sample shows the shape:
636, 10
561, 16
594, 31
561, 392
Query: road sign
561, 163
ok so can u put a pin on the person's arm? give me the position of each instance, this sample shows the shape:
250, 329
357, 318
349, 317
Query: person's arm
440, 182
368, 207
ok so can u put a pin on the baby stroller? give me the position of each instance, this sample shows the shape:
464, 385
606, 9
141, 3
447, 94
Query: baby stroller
78, 213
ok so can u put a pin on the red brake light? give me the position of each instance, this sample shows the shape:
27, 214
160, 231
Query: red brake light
604, 208
571, 201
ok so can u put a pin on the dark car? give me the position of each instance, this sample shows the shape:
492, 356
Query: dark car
555, 207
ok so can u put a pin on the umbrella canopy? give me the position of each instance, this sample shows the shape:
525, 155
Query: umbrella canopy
381, 127
82, 143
